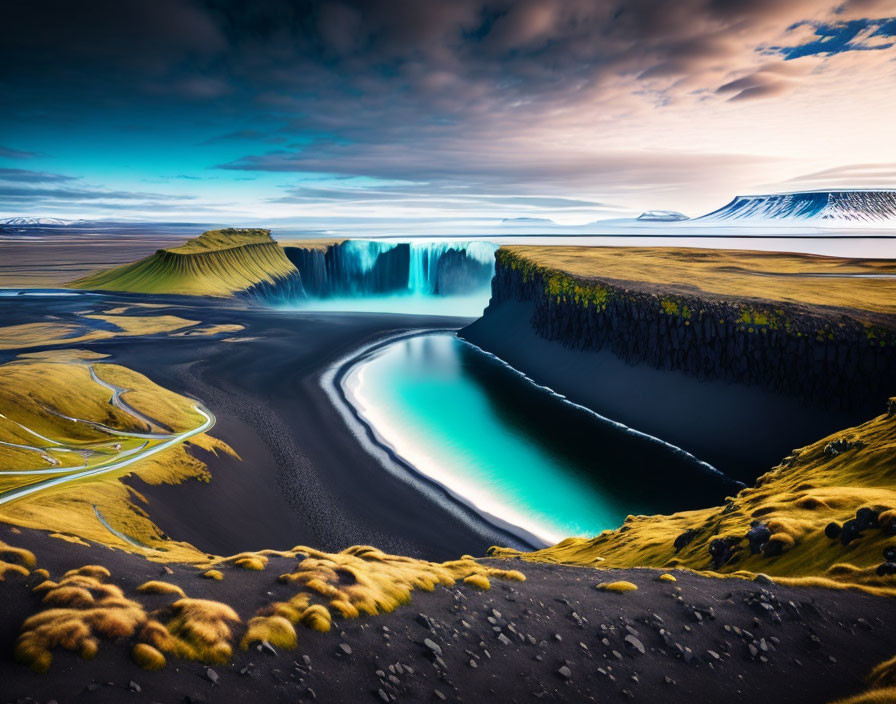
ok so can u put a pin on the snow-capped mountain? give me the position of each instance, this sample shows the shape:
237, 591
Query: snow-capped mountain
823, 208
661, 216
25, 222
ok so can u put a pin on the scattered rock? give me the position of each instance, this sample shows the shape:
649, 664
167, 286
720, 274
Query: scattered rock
267, 648
565, 672
347, 649
212, 675
433, 646
634, 643
851, 531
757, 536
685, 539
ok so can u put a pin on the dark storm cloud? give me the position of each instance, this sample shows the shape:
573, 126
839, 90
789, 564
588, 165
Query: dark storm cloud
325, 52
437, 92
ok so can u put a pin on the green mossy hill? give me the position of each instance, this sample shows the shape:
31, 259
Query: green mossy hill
218, 263
847, 477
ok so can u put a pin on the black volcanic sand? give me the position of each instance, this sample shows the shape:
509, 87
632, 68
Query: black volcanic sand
741, 430
303, 478
508, 644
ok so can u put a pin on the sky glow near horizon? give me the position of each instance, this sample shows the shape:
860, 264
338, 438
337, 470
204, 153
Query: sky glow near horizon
401, 113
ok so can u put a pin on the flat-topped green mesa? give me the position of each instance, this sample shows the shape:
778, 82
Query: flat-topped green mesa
218, 263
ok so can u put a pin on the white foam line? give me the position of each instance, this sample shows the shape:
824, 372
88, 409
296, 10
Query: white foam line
379, 448
445, 472
477, 500
616, 424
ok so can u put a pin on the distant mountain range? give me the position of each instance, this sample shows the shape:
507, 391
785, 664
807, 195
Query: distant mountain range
811, 207
815, 211
30, 222
661, 216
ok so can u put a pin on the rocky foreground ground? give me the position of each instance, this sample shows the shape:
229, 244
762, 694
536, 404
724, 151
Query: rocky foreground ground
555, 637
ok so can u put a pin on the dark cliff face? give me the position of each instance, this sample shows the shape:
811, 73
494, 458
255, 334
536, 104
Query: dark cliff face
341, 270
335, 271
825, 356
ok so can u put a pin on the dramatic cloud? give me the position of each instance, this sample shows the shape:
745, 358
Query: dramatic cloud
638, 103
26, 176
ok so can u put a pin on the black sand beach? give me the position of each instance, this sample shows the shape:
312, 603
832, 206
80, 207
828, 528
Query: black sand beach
509, 644
303, 478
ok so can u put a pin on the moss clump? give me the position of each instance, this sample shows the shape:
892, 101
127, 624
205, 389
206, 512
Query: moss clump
667, 578
317, 618
196, 629
147, 657
83, 609
671, 306
619, 587
17, 556
275, 630
248, 561
7, 568
479, 581
157, 587
213, 574
95, 571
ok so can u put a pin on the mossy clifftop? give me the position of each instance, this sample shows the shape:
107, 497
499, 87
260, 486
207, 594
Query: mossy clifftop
831, 355
218, 263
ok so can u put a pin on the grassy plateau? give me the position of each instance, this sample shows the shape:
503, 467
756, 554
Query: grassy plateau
218, 263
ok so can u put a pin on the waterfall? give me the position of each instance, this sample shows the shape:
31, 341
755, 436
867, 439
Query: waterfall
370, 267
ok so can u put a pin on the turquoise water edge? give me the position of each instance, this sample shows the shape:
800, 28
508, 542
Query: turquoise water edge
513, 450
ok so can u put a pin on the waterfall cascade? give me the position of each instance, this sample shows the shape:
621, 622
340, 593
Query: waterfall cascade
369, 267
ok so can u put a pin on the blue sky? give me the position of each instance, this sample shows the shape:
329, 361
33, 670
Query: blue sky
398, 114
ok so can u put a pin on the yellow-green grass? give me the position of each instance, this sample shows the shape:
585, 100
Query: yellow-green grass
767, 276
83, 608
150, 399
319, 245
64, 355
619, 587
218, 263
227, 238
45, 334
796, 500
33, 392
30, 392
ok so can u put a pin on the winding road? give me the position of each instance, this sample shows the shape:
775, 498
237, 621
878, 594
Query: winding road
123, 459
